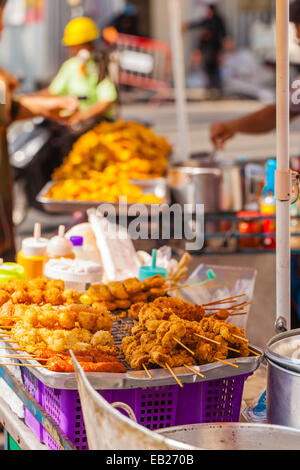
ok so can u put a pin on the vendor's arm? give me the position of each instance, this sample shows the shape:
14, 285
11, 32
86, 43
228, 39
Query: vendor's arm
259, 122
89, 113
28, 106
106, 94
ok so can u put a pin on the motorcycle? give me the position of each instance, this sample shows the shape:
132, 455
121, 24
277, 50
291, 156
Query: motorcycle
36, 147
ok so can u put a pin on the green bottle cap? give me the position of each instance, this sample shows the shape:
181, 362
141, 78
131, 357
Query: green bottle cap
149, 271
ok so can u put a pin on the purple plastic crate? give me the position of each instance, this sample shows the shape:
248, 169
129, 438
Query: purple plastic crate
154, 407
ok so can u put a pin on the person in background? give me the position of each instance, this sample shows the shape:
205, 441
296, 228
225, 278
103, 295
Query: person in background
84, 75
127, 22
14, 108
212, 33
263, 120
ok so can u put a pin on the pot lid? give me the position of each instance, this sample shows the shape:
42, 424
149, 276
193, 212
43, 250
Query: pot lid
284, 350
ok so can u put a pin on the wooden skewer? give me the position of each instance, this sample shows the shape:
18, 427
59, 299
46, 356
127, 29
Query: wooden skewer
226, 362
195, 371
223, 301
20, 365
13, 349
184, 346
241, 338
254, 352
174, 375
16, 356
238, 314
147, 372
208, 339
6, 340
234, 350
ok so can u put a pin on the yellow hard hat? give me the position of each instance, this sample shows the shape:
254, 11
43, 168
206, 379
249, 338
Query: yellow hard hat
80, 31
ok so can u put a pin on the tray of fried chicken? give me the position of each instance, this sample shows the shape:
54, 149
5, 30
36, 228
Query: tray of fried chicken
155, 340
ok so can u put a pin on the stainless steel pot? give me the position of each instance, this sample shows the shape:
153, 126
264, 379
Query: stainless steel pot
283, 384
219, 186
235, 436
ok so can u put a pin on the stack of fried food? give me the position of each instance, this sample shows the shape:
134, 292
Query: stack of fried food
104, 161
121, 295
38, 292
175, 333
106, 186
129, 147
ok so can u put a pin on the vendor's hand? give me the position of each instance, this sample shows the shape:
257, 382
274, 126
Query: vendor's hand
53, 106
220, 132
75, 119
48, 106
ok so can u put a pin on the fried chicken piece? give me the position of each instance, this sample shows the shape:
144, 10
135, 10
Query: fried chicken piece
179, 307
103, 341
156, 292
134, 310
37, 284
36, 296
153, 282
70, 296
100, 292
132, 285
122, 304
55, 284
134, 354
117, 290
53, 296
4, 297
140, 297
20, 297
14, 285
111, 306
168, 331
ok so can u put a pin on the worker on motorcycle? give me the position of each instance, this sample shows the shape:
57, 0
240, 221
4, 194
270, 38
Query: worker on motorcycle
84, 75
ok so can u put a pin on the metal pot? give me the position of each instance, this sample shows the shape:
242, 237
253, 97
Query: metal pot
283, 385
219, 186
235, 436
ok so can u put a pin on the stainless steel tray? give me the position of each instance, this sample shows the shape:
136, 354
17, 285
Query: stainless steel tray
139, 379
157, 186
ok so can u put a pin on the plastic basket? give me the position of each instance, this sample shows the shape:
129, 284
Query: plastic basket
154, 407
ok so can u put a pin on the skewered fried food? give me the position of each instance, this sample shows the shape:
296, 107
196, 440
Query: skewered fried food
121, 295
91, 361
65, 364
181, 308
68, 317
153, 282
117, 290
37, 291
60, 340
132, 285
171, 331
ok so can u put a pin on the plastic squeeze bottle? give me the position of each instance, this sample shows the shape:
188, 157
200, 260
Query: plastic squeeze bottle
77, 242
32, 254
60, 246
268, 205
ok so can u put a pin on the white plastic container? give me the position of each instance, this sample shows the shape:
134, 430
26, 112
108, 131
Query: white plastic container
77, 274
